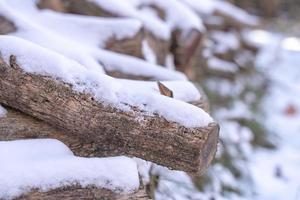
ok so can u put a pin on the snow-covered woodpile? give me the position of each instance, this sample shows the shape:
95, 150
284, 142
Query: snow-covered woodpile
86, 72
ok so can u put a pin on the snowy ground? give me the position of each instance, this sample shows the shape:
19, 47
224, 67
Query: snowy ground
276, 172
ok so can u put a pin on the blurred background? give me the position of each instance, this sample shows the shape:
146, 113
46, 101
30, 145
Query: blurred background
247, 62
258, 109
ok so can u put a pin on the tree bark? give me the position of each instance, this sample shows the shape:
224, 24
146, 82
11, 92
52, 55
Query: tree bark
104, 130
77, 192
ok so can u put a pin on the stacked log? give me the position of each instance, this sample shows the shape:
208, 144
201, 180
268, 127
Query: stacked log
29, 98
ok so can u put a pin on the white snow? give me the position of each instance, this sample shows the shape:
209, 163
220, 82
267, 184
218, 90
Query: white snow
208, 7
259, 38
239, 110
124, 8
178, 15
222, 65
36, 59
85, 50
225, 41
201, 6
148, 53
276, 172
291, 44
237, 13
68, 48
184, 91
46, 164
2, 111
134, 66
89, 29
144, 169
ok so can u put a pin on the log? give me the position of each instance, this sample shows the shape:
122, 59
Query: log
130, 46
17, 125
107, 131
160, 47
184, 43
232, 22
185, 49
77, 192
82, 7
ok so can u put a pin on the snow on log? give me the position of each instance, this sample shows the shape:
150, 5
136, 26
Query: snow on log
119, 35
156, 32
88, 53
103, 114
232, 16
17, 125
75, 192
186, 28
43, 167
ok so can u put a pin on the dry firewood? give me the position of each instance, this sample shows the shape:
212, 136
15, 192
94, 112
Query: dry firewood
185, 49
77, 192
130, 45
17, 125
186, 40
232, 21
160, 46
108, 59
105, 130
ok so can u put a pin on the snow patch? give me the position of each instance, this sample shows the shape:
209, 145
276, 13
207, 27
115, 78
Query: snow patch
2, 111
48, 164
36, 59
126, 9
222, 65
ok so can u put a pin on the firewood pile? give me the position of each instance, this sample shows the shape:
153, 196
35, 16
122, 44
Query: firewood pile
110, 78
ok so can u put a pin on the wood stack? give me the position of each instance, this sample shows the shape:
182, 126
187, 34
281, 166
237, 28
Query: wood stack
30, 98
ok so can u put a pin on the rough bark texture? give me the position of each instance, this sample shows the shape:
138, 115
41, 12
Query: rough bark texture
77, 192
107, 131
17, 125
